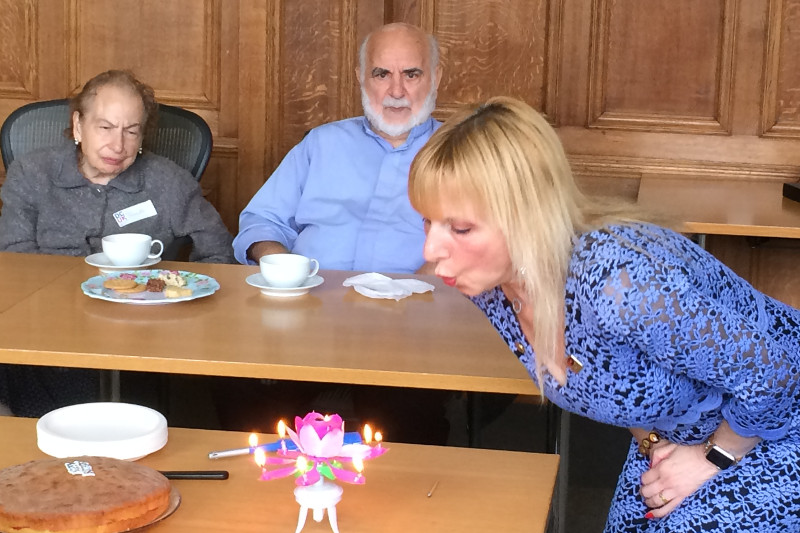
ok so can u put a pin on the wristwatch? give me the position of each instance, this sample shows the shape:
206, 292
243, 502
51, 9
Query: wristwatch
718, 457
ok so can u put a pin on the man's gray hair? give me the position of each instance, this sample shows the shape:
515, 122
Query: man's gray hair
433, 45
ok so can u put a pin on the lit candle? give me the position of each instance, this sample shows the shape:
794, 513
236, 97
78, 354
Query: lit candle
358, 464
282, 434
252, 441
302, 466
260, 458
378, 438
367, 434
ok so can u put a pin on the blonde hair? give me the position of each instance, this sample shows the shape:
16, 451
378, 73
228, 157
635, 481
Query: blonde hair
505, 159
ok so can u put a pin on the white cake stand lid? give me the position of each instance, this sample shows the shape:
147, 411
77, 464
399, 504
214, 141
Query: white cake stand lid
106, 429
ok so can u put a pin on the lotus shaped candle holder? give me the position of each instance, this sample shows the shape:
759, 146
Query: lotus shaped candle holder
319, 457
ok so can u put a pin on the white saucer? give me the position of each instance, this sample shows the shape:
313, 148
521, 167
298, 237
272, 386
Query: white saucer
100, 261
257, 280
107, 429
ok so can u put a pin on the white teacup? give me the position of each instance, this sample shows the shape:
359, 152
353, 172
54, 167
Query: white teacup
287, 270
130, 249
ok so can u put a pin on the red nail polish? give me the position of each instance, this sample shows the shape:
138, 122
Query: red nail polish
649, 515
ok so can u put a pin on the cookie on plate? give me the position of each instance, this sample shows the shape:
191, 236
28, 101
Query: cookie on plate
177, 292
138, 287
155, 285
117, 284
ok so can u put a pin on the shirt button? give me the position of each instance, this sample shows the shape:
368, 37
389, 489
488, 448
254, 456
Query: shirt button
520, 349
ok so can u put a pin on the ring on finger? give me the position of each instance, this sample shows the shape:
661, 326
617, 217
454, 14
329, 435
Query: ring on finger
664, 500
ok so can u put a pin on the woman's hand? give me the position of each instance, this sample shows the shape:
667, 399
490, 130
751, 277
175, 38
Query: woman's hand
676, 471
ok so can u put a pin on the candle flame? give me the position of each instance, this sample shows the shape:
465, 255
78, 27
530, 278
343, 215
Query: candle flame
260, 457
367, 434
253, 440
301, 464
281, 429
378, 436
358, 464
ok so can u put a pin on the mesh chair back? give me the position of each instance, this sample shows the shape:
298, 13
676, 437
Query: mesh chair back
182, 136
33, 126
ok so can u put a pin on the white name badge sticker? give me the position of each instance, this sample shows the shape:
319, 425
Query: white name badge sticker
134, 213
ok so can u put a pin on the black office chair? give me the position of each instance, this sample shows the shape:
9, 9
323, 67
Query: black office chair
182, 136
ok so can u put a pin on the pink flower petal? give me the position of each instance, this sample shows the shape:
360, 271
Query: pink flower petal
309, 478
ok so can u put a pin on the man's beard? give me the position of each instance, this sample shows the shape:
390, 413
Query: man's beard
396, 130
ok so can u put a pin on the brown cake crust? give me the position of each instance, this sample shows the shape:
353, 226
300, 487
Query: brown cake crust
43, 497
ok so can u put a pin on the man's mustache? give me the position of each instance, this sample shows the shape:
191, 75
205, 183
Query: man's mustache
395, 102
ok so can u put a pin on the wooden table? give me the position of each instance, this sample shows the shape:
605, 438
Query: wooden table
437, 340
478, 490
23, 274
723, 207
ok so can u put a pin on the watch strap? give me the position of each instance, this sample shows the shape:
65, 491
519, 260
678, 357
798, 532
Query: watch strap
719, 457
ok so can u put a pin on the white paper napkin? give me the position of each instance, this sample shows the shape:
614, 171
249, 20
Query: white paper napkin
374, 285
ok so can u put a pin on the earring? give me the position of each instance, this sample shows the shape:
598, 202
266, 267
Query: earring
77, 142
140, 150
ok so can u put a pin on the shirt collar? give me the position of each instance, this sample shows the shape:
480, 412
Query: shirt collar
130, 180
416, 132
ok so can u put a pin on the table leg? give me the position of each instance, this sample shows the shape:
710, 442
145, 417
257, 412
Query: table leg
474, 419
109, 385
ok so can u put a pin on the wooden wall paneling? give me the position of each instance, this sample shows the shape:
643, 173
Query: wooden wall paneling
19, 62
317, 55
183, 35
33, 62
219, 186
259, 36
751, 43
491, 48
662, 65
573, 83
781, 103
220, 180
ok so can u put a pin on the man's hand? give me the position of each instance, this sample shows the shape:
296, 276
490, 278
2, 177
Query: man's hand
259, 249
676, 471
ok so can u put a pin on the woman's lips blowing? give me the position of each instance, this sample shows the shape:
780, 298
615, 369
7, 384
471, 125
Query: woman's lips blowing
450, 282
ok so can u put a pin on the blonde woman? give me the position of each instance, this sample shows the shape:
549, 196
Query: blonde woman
622, 321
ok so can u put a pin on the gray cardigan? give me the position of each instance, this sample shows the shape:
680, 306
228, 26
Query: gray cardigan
50, 208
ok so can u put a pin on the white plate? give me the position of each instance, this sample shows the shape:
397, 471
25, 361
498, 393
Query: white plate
200, 284
102, 262
257, 280
106, 429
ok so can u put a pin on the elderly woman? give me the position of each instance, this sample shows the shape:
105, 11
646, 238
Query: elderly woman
65, 199
622, 321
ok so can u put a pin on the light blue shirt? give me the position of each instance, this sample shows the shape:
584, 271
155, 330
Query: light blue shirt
341, 197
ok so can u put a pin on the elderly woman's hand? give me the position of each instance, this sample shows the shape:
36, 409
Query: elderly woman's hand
676, 471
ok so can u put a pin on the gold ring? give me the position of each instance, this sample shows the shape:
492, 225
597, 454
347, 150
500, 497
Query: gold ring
664, 501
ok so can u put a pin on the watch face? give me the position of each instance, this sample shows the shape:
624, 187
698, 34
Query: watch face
719, 457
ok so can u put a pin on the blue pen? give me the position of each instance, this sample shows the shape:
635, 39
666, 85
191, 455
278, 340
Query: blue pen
351, 437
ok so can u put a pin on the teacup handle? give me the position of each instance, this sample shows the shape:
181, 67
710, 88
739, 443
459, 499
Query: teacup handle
160, 249
315, 269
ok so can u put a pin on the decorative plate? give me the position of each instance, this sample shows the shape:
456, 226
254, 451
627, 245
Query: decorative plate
200, 285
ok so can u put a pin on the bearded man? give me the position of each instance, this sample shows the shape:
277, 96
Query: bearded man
340, 196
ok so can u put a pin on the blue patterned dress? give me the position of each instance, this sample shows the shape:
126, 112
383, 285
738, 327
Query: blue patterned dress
672, 339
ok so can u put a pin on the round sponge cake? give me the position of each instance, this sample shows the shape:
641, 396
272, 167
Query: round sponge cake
80, 494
